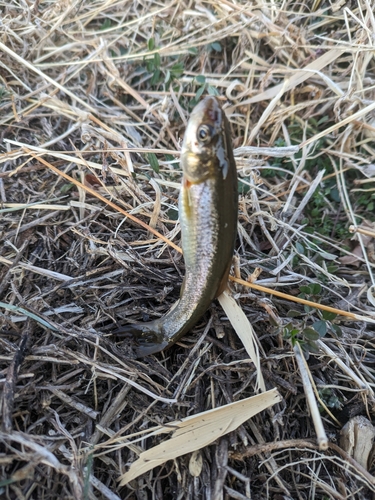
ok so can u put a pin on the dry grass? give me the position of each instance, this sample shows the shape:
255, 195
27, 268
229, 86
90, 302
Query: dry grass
85, 90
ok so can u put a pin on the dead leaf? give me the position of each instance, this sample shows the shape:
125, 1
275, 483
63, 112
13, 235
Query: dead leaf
354, 259
244, 330
195, 432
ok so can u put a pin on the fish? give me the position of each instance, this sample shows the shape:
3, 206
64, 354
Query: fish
208, 212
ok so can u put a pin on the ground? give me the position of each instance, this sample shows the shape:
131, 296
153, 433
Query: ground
94, 100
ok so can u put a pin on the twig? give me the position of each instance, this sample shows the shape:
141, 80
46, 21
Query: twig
360, 383
11, 379
367, 232
316, 305
310, 398
256, 449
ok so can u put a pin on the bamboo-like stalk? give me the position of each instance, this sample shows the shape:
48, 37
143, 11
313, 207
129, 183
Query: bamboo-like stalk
316, 305
310, 398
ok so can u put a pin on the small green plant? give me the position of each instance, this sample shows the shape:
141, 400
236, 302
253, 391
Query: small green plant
4, 94
154, 163
326, 323
301, 334
308, 330
160, 73
366, 201
291, 333
216, 46
329, 398
203, 86
106, 24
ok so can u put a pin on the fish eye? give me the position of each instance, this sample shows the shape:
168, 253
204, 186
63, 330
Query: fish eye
204, 133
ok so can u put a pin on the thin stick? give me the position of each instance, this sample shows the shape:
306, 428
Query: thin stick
310, 398
359, 114
346, 369
11, 379
303, 301
353, 229
275, 152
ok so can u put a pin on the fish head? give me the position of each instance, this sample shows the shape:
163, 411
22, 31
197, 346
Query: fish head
204, 149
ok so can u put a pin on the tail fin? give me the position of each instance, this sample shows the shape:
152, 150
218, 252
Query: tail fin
148, 338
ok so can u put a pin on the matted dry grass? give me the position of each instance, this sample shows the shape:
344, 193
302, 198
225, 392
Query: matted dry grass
85, 88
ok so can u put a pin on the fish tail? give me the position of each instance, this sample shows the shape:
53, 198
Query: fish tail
148, 337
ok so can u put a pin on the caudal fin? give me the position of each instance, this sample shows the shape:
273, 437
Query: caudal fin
146, 338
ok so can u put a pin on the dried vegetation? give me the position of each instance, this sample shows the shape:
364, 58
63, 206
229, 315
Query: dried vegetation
94, 97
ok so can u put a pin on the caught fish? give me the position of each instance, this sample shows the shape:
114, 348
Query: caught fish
208, 207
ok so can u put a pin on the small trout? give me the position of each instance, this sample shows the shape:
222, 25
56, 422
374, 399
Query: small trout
208, 208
